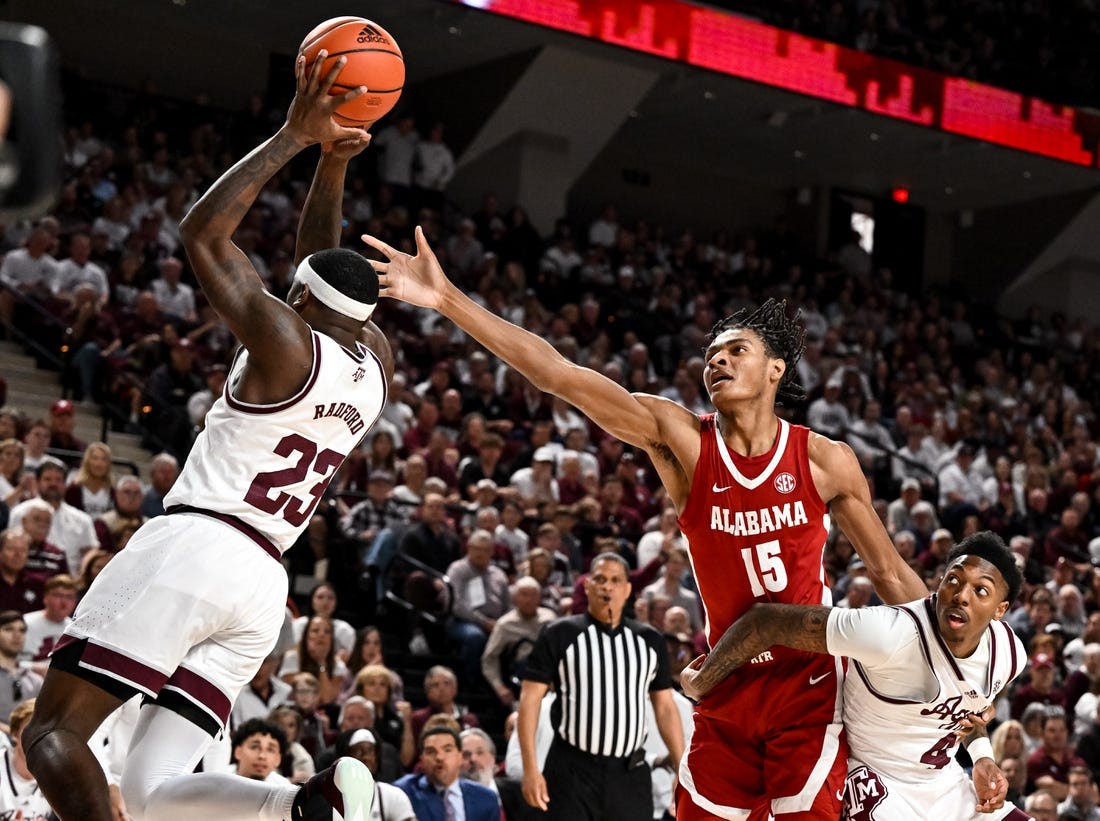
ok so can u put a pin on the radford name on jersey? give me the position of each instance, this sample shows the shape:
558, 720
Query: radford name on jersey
269, 465
755, 527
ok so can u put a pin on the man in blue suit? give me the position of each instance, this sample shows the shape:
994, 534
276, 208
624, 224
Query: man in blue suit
439, 794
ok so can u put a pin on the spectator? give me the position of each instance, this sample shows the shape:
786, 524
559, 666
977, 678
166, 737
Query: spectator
441, 784
19, 590
62, 421
1040, 688
827, 414
512, 637
1081, 801
79, 270
432, 540
390, 800
116, 526
174, 298
262, 695
163, 471
305, 698
315, 653
92, 490
15, 484
481, 597
16, 800
368, 650
71, 530
676, 567
45, 626
16, 681
323, 602
165, 397
396, 146
296, 765
1049, 766
35, 442
202, 401
258, 750
434, 165
44, 558
897, 512
392, 718
441, 688
28, 272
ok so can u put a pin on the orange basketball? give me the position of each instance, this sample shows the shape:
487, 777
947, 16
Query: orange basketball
374, 60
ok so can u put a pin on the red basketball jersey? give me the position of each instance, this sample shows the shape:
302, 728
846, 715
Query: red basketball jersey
756, 529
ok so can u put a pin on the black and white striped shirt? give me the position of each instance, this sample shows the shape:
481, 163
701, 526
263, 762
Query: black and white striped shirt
603, 678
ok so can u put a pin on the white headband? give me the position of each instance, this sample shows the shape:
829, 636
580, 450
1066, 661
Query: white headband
359, 736
328, 295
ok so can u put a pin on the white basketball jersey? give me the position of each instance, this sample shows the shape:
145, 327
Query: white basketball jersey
911, 739
269, 465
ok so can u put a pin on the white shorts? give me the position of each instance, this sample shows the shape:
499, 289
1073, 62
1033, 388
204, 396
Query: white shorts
871, 797
192, 605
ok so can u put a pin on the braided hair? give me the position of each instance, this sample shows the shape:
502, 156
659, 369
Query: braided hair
783, 337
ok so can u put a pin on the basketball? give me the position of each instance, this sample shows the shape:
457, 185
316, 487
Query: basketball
374, 60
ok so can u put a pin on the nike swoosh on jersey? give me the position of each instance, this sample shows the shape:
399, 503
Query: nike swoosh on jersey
717, 489
815, 679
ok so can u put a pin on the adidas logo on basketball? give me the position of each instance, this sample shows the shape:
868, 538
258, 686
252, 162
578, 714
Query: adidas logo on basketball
370, 34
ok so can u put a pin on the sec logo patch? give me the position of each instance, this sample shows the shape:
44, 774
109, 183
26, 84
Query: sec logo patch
784, 483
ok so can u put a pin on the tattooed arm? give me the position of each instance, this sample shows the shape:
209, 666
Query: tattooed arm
798, 626
277, 339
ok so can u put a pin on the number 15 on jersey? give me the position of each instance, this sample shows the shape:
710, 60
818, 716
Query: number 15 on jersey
764, 567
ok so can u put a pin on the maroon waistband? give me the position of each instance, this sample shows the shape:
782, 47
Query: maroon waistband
249, 531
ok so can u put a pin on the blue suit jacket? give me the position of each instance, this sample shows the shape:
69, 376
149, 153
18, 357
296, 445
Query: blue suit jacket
481, 802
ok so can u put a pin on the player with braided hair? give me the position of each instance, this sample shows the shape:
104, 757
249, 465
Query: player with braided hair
754, 494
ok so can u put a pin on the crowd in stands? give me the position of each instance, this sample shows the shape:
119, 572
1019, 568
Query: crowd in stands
1040, 49
479, 500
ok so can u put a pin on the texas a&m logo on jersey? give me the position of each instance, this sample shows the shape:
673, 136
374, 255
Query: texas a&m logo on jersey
358, 375
864, 791
785, 483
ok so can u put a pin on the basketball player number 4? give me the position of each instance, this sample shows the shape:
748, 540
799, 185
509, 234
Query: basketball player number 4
295, 510
764, 567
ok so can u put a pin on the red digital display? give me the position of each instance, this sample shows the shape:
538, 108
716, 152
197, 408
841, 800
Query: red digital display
723, 42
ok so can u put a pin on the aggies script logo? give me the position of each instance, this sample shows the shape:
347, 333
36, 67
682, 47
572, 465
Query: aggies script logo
370, 34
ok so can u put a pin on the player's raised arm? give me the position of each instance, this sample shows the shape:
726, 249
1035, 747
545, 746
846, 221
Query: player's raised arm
842, 485
228, 279
639, 419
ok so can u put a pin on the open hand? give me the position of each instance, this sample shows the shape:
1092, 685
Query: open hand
417, 280
310, 116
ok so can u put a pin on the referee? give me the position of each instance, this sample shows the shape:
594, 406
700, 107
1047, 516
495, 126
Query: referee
602, 667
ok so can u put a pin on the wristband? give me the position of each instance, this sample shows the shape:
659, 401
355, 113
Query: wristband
979, 748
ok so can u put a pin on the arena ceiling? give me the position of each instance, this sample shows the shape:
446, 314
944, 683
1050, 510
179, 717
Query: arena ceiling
766, 136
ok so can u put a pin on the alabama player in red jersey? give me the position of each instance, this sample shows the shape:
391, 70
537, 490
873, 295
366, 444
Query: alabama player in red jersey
752, 492
188, 611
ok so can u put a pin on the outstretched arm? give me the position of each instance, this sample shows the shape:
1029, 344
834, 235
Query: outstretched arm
842, 485
228, 278
646, 421
799, 626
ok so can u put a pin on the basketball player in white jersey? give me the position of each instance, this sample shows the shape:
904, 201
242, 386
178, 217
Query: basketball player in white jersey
188, 611
919, 675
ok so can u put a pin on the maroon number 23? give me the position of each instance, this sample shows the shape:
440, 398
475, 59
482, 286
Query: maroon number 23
294, 510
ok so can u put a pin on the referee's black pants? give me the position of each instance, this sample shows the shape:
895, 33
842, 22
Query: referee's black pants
586, 787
